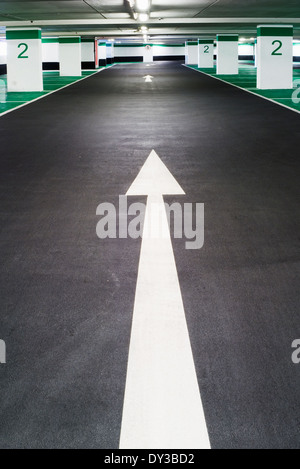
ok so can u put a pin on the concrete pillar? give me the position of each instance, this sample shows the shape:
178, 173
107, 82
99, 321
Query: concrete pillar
110, 53
102, 54
275, 57
205, 53
148, 53
227, 54
70, 56
191, 52
24, 59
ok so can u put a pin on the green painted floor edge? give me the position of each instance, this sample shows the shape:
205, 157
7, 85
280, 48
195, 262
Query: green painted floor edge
246, 79
52, 82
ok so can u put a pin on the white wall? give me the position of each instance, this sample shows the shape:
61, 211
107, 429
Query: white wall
130, 51
160, 50
102, 51
70, 59
148, 53
110, 51
296, 49
246, 49
87, 52
3, 52
50, 51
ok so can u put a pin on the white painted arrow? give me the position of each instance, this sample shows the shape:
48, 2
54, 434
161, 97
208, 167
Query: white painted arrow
162, 403
148, 78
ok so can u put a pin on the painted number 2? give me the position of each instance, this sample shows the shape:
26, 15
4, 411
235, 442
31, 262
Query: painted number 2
206, 49
279, 43
21, 55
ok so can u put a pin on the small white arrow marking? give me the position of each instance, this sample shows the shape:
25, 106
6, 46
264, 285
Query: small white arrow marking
162, 403
148, 78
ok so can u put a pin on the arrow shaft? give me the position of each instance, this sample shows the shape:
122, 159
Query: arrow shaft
162, 404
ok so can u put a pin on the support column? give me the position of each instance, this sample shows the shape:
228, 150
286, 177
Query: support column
96, 53
70, 56
87, 54
110, 53
227, 54
50, 53
191, 53
148, 53
205, 53
102, 54
255, 53
275, 57
113, 53
24, 60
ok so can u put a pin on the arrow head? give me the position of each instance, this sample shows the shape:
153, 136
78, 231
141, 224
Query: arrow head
155, 179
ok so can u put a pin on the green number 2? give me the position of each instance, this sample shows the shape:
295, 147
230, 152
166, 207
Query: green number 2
206, 49
275, 52
21, 55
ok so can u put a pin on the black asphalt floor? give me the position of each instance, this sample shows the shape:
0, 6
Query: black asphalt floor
67, 297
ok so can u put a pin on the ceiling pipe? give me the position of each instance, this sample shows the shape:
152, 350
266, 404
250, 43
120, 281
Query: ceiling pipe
128, 6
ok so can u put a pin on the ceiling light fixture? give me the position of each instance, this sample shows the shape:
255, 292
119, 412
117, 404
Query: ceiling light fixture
143, 17
142, 5
141, 10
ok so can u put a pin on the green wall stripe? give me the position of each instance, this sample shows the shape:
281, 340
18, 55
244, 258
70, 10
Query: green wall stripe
129, 45
49, 40
154, 45
271, 31
208, 41
70, 40
168, 45
192, 43
24, 34
221, 38
91, 41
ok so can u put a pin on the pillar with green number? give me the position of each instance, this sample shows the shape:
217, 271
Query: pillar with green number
24, 59
191, 52
205, 53
274, 57
70, 56
227, 54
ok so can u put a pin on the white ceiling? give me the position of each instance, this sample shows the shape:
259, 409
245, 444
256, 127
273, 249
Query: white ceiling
169, 19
